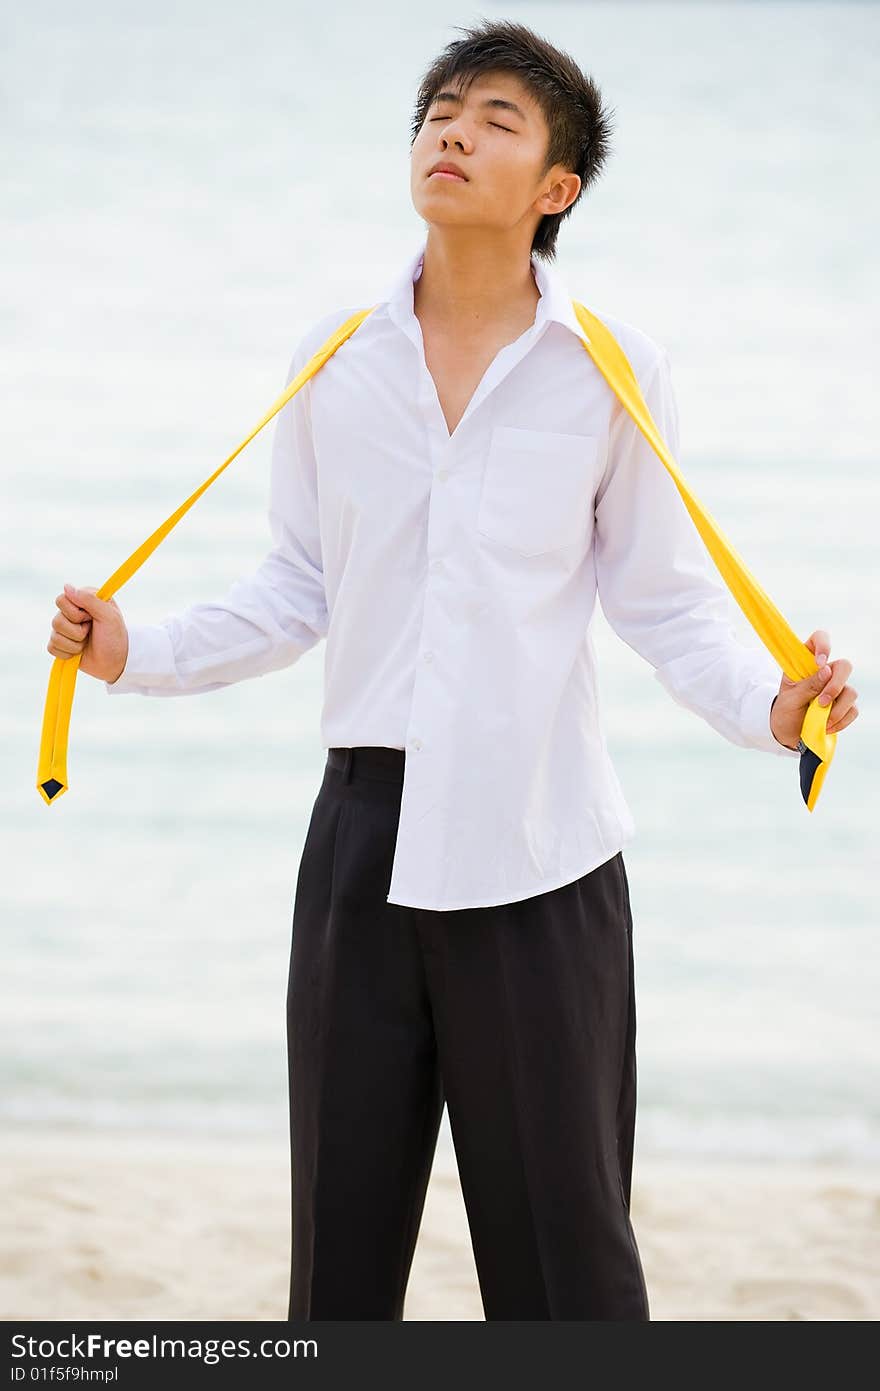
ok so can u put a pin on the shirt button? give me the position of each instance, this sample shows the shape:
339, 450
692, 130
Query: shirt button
416, 744
436, 565
429, 656
443, 474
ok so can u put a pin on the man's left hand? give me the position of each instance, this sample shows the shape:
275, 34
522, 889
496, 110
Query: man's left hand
789, 706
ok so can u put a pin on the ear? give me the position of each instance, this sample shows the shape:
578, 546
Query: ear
560, 193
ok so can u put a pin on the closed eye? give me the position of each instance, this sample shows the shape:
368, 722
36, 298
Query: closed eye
491, 123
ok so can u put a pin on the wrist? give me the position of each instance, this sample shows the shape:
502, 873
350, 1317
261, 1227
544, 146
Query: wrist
793, 747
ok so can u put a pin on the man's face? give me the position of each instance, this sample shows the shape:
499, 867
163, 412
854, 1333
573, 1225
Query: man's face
497, 136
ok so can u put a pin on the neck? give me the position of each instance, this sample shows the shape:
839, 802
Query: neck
472, 283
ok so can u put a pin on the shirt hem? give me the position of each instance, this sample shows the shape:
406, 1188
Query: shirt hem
546, 886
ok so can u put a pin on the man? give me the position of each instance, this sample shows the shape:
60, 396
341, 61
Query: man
450, 495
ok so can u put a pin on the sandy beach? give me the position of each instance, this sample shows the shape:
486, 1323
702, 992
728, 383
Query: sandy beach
123, 1226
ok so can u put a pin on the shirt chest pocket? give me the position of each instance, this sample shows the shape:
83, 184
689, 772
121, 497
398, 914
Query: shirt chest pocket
538, 488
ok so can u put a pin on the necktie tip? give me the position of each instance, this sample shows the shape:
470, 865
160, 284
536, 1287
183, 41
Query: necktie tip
50, 789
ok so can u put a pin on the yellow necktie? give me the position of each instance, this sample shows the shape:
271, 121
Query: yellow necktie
794, 657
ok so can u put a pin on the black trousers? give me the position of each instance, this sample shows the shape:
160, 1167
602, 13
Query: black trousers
521, 1017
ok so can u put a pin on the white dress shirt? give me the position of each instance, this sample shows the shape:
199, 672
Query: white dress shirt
455, 578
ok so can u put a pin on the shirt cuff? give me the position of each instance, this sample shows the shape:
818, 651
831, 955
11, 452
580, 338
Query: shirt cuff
150, 661
755, 716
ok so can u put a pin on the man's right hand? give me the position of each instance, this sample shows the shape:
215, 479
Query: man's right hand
92, 627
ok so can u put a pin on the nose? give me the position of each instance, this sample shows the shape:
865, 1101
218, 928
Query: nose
453, 134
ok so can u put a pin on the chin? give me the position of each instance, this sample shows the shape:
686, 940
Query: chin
440, 207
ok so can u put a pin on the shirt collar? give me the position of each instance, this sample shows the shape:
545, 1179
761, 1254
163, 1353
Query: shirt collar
555, 302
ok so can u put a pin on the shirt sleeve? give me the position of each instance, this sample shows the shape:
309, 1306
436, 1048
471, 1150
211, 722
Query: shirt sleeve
266, 620
661, 591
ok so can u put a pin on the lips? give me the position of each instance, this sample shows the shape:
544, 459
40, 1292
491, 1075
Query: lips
449, 170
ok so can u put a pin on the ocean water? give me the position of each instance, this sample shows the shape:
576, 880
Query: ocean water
186, 189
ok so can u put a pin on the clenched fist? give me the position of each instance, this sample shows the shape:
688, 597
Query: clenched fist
92, 627
790, 703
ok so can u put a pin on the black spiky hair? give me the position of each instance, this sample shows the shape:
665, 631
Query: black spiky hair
580, 124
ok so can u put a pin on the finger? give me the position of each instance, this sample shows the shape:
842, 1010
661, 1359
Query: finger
70, 609
840, 670
848, 718
819, 644
87, 598
844, 702
61, 646
77, 631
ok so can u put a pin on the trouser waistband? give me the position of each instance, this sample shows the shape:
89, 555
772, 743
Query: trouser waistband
369, 761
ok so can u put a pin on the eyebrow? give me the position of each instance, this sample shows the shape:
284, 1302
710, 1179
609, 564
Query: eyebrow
496, 102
